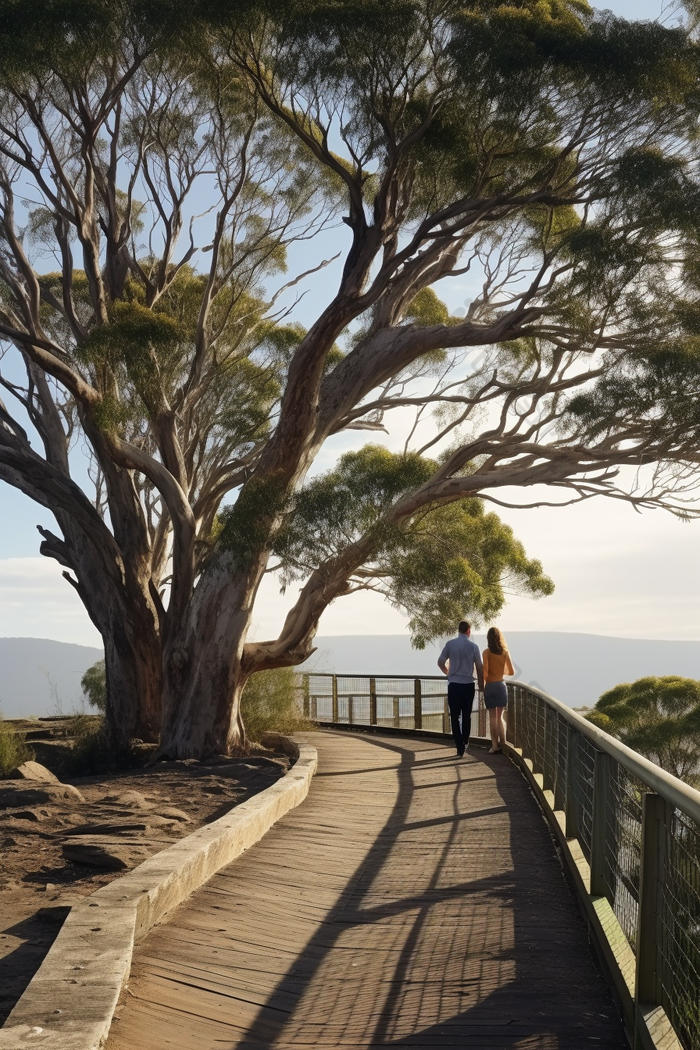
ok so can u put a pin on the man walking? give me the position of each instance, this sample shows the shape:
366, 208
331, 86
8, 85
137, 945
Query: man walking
457, 661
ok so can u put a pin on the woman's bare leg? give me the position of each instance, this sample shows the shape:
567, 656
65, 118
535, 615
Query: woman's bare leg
501, 725
494, 726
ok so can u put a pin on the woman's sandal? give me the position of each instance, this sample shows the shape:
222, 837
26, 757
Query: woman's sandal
494, 750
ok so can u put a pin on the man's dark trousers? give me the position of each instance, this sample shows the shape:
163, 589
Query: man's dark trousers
460, 697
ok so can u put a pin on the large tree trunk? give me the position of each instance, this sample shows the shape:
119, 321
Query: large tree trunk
124, 613
133, 664
204, 674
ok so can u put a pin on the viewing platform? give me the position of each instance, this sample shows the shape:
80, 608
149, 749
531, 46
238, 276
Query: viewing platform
542, 898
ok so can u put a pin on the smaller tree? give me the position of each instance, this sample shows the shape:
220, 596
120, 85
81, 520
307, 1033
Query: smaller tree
94, 686
659, 718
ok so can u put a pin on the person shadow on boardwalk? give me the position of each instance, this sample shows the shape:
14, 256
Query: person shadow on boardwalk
515, 1002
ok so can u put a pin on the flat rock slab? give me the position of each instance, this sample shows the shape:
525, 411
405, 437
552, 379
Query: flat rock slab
413, 900
121, 827
129, 799
34, 771
173, 813
109, 853
17, 793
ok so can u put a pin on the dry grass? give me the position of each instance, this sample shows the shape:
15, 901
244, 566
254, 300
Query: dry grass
272, 702
13, 749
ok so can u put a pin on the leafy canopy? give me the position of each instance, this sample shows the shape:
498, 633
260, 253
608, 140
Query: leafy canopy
660, 718
441, 564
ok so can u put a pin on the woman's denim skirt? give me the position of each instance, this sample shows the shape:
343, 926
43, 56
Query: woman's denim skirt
495, 694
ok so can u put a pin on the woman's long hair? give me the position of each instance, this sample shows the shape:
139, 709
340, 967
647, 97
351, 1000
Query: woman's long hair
496, 642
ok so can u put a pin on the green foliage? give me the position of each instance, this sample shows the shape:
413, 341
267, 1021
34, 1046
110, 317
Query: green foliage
146, 343
659, 385
602, 721
13, 749
94, 685
441, 564
456, 562
426, 309
660, 718
336, 508
244, 529
270, 702
40, 34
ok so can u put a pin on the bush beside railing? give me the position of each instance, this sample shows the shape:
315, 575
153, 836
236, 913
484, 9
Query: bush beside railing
636, 827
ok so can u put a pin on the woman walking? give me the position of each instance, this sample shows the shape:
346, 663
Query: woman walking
496, 664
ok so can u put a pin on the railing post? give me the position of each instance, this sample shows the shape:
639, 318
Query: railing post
417, 705
559, 773
515, 716
446, 726
305, 695
651, 874
601, 804
397, 721
547, 741
350, 710
335, 698
373, 701
481, 715
570, 803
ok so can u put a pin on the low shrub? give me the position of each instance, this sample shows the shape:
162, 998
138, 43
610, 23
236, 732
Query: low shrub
272, 702
13, 749
93, 752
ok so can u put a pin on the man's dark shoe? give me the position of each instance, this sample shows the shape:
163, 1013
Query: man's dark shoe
460, 753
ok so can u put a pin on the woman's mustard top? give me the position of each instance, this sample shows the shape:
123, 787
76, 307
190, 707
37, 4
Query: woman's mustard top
496, 666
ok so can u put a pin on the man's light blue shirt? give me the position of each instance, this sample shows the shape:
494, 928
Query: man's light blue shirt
463, 654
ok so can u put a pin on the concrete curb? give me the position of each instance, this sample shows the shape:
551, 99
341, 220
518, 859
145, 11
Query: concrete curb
70, 1001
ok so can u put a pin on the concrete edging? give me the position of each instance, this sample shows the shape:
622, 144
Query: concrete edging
70, 1001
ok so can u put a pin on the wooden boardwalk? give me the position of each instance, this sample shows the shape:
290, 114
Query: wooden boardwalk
413, 900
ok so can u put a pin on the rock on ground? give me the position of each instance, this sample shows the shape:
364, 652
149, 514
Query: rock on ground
34, 771
17, 793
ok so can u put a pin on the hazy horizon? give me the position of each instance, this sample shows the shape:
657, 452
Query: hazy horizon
40, 676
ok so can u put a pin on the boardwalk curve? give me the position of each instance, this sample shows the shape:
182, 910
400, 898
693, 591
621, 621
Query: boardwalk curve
412, 900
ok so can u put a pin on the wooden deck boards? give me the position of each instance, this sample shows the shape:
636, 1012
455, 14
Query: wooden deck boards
413, 900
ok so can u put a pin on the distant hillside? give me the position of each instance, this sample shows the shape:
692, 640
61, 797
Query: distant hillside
25, 664
576, 668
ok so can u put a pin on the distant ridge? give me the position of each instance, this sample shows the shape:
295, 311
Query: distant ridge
25, 663
576, 668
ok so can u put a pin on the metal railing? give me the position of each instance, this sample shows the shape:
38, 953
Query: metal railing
400, 702
631, 832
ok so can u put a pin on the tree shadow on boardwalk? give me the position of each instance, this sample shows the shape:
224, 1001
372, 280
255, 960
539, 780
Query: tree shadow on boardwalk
504, 959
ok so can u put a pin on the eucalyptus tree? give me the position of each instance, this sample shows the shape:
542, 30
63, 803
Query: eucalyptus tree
168, 156
660, 718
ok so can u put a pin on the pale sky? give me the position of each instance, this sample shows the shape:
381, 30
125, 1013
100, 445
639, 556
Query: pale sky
616, 572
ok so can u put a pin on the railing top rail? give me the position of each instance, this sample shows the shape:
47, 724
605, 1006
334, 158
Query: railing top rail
390, 677
675, 791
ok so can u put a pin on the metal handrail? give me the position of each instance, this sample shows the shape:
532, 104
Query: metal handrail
680, 795
629, 830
